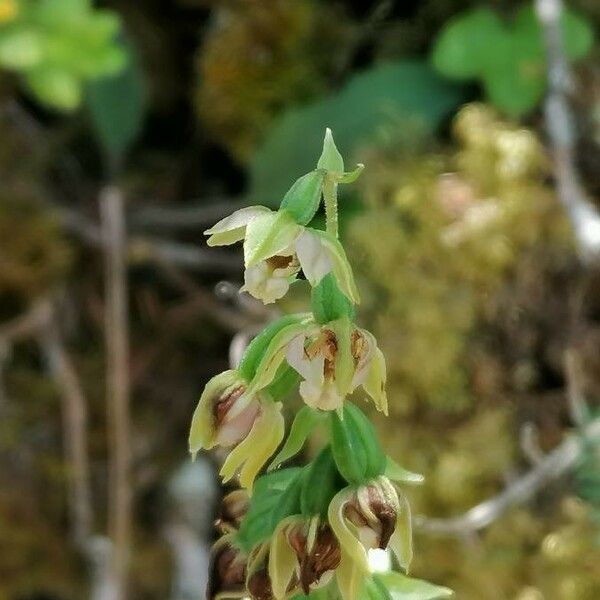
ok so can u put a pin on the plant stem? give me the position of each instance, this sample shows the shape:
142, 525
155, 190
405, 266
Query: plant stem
331, 205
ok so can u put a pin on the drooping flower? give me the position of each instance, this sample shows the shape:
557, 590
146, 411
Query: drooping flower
303, 553
228, 416
228, 571
276, 247
373, 515
333, 360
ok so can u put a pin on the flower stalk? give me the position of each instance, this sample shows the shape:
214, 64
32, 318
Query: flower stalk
304, 532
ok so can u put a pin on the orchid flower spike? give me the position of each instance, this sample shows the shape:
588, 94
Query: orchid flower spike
227, 416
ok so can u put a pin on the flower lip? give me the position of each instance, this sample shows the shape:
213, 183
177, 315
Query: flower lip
315, 560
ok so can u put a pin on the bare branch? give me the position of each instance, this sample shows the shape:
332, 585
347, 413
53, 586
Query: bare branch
555, 464
28, 324
117, 350
189, 216
143, 249
74, 415
559, 122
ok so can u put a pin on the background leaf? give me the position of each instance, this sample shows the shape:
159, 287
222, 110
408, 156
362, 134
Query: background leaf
117, 107
408, 91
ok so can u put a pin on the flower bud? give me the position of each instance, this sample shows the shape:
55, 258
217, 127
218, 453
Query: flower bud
227, 570
234, 507
374, 511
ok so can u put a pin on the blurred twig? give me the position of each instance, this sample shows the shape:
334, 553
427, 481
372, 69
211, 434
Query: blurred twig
190, 216
559, 122
145, 249
555, 464
117, 350
74, 413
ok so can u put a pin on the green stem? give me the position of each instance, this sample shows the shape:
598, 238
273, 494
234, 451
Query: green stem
331, 205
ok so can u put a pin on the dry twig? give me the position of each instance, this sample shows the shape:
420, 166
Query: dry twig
117, 350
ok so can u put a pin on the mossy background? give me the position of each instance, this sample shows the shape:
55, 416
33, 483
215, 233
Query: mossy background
465, 259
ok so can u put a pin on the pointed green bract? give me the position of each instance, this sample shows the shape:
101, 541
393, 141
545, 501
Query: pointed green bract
319, 485
330, 159
398, 474
303, 198
256, 349
305, 421
328, 303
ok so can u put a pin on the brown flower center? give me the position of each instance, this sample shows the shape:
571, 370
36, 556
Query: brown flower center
280, 262
225, 402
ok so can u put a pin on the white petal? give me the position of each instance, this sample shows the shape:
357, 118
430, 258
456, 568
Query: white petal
313, 256
310, 370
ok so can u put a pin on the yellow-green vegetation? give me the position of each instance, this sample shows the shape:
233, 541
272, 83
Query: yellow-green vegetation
452, 229
464, 236
259, 57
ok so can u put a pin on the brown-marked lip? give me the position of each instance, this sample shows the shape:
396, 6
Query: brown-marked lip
259, 585
228, 571
225, 402
324, 556
280, 262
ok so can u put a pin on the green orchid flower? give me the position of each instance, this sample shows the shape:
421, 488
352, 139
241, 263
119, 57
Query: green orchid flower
228, 416
333, 360
373, 515
276, 247
304, 554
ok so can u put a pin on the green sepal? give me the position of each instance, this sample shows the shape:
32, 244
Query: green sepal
395, 472
269, 234
376, 458
257, 347
320, 483
304, 422
304, 197
330, 159
348, 449
401, 587
270, 494
374, 590
328, 303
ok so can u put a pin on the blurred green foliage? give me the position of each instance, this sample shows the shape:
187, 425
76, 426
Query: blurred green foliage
407, 94
508, 58
58, 45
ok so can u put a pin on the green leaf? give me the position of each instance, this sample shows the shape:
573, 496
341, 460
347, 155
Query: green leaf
330, 159
257, 347
329, 303
21, 48
401, 587
55, 87
304, 422
320, 484
117, 107
467, 44
407, 92
270, 495
284, 382
304, 197
269, 234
